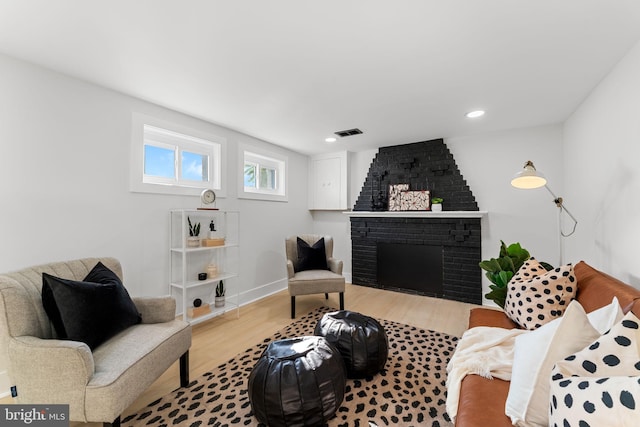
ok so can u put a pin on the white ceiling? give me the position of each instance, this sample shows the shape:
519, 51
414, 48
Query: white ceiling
292, 72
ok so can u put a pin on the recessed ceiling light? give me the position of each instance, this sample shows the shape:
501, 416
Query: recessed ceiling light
474, 114
330, 139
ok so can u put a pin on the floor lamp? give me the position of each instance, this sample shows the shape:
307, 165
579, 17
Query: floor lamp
529, 178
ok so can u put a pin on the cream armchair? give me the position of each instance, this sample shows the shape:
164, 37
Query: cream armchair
309, 282
97, 385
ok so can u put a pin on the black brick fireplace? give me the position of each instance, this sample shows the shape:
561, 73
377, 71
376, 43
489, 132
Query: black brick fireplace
427, 253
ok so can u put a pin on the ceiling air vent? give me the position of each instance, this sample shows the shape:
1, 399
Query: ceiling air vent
348, 132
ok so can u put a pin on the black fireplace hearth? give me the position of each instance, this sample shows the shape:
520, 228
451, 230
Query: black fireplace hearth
417, 240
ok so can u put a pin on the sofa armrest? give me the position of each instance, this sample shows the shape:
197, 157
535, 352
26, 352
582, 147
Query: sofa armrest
156, 309
485, 316
335, 265
290, 271
50, 370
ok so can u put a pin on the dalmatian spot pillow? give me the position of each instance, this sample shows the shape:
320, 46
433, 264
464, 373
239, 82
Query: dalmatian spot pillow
600, 385
540, 298
530, 269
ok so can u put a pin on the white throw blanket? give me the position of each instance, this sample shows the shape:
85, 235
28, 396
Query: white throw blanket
484, 351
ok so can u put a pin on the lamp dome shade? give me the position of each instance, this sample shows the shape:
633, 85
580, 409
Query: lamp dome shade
528, 177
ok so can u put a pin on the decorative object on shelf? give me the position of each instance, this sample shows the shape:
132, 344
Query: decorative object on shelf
436, 204
220, 291
213, 242
500, 270
194, 231
207, 197
212, 230
395, 191
401, 199
199, 308
378, 203
414, 200
202, 276
529, 178
212, 271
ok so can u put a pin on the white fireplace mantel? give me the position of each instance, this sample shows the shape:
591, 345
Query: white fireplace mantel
416, 214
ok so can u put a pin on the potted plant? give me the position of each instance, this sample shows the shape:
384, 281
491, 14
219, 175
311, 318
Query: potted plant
220, 291
436, 204
194, 231
500, 270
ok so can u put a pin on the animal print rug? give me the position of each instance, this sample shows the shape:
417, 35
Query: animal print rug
409, 391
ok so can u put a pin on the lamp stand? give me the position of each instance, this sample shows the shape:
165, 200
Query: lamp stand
559, 203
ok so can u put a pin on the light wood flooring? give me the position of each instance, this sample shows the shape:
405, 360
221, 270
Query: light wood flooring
221, 338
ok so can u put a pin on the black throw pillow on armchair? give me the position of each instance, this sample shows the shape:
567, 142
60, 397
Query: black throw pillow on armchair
89, 311
311, 257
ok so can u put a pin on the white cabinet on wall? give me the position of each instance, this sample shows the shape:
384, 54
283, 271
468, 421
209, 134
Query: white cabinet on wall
329, 181
215, 253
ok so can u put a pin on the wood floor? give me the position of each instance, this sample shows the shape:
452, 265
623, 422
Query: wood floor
221, 338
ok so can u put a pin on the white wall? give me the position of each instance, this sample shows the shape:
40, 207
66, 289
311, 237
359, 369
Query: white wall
488, 162
64, 186
602, 173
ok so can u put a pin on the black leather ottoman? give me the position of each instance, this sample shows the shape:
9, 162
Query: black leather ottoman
361, 340
297, 382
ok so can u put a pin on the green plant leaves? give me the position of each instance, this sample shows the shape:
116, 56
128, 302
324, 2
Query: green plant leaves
194, 231
497, 295
501, 270
220, 289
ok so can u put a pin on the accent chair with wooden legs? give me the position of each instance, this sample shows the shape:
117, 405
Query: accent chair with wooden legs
312, 269
97, 381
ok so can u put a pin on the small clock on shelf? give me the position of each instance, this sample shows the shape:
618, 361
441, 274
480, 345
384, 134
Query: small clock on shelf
208, 198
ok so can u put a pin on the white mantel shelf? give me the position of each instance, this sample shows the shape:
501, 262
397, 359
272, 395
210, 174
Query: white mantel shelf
416, 214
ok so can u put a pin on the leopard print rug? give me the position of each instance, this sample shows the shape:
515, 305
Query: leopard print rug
409, 391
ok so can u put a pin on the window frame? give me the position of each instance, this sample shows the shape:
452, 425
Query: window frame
270, 160
147, 130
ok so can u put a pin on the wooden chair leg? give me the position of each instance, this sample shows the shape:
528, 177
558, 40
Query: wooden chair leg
293, 307
326, 296
115, 423
341, 300
184, 369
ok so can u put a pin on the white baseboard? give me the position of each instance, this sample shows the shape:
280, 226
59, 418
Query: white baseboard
263, 291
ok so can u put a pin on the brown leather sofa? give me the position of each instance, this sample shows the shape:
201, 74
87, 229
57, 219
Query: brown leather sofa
482, 401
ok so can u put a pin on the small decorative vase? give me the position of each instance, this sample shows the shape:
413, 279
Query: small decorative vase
218, 302
193, 242
436, 207
212, 271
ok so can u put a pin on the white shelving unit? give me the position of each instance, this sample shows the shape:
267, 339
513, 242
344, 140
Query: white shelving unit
188, 262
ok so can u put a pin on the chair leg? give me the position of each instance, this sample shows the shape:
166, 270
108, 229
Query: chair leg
293, 307
341, 300
184, 369
115, 423
326, 296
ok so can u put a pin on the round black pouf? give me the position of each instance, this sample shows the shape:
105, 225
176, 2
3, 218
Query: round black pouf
360, 339
297, 382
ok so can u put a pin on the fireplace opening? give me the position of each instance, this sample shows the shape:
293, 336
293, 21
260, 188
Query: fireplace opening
414, 268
